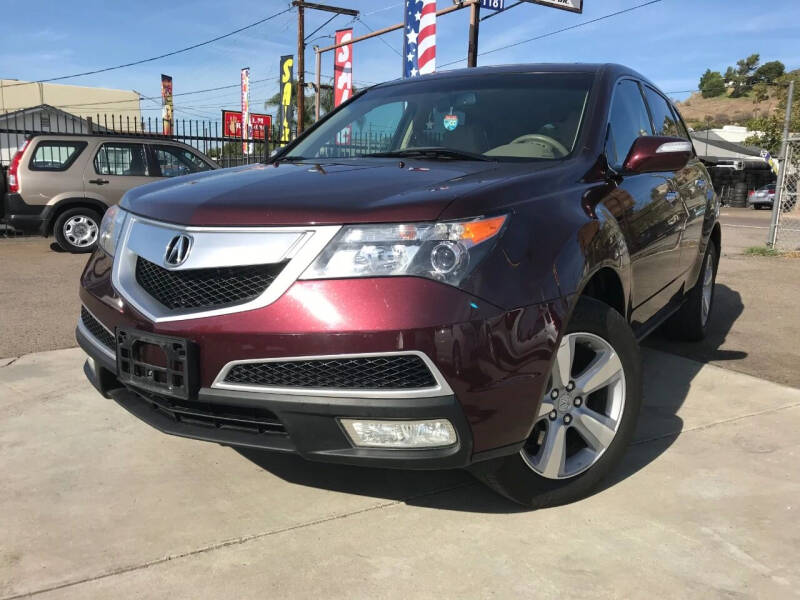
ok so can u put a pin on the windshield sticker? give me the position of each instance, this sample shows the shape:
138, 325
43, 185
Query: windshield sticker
450, 122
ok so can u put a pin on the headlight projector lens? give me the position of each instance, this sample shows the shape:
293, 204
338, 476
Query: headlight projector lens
447, 257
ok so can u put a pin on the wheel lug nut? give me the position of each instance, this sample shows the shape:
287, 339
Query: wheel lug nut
553, 414
570, 386
578, 401
567, 419
554, 394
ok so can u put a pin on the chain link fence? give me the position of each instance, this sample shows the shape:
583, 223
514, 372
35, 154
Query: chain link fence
787, 230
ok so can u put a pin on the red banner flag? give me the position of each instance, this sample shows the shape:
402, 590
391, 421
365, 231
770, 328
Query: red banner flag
343, 68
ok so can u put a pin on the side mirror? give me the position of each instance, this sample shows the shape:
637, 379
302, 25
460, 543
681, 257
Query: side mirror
656, 153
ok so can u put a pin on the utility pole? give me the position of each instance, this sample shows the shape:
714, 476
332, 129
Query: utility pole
776, 204
301, 66
474, 26
301, 50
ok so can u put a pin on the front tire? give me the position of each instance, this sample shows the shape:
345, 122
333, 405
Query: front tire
587, 416
76, 230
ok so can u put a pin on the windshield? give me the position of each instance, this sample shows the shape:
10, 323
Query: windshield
497, 117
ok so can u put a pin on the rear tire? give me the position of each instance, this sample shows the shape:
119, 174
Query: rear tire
690, 323
76, 230
606, 416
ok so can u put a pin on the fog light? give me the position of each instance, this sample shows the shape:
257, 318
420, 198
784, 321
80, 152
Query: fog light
400, 434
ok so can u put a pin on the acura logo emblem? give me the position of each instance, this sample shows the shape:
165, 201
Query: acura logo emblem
178, 250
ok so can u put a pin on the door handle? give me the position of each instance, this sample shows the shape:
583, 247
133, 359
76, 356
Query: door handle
98, 181
671, 197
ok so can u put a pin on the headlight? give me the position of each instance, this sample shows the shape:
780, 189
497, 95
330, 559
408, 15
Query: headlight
443, 251
111, 228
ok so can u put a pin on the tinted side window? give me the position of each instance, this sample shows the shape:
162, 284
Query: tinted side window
55, 156
628, 121
664, 120
175, 161
121, 159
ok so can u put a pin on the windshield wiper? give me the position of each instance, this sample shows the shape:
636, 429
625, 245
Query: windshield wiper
430, 152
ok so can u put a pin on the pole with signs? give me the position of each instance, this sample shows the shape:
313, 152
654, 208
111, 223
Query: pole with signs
166, 104
246, 111
287, 66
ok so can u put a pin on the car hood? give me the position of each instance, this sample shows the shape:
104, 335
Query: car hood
372, 190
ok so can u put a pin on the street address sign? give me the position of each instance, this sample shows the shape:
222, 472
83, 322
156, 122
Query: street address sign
570, 5
493, 4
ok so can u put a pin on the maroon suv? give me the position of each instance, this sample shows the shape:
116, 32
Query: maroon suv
448, 271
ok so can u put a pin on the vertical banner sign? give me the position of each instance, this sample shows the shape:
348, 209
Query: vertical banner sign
343, 79
246, 126
343, 67
419, 39
287, 66
166, 104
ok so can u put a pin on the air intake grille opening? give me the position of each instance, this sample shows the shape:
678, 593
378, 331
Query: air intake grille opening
205, 288
97, 330
401, 372
201, 414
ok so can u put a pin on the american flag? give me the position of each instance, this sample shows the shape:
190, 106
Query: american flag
419, 43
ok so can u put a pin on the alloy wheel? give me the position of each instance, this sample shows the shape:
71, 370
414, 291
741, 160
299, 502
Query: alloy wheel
708, 288
582, 410
80, 231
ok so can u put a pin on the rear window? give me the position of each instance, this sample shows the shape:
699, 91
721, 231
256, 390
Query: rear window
55, 156
121, 159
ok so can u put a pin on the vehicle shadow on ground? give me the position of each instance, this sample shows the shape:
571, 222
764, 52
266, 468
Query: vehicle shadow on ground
667, 381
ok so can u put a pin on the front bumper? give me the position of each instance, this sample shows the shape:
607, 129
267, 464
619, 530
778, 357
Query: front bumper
306, 425
495, 364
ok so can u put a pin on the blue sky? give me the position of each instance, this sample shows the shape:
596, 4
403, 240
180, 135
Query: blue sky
671, 42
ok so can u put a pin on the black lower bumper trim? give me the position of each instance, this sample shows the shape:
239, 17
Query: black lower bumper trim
305, 425
22, 216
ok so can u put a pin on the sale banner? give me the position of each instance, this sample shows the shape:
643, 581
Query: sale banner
166, 104
246, 147
343, 67
343, 79
287, 66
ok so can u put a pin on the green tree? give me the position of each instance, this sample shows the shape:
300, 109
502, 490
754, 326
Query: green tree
769, 72
741, 78
770, 127
712, 84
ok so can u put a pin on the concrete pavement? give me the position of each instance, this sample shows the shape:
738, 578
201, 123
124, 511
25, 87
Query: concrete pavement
96, 504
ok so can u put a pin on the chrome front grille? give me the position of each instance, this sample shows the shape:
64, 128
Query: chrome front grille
224, 269
205, 288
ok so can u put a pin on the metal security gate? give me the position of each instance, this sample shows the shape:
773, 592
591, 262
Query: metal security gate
787, 227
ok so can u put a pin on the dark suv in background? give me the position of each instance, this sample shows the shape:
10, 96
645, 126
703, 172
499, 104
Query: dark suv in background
449, 271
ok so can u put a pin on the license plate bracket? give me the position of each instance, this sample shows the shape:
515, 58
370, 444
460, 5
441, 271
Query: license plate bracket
174, 374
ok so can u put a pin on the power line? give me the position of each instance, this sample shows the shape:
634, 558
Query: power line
321, 26
151, 59
392, 48
552, 33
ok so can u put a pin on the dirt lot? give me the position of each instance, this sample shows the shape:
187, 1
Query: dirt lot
38, 296
753, 330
